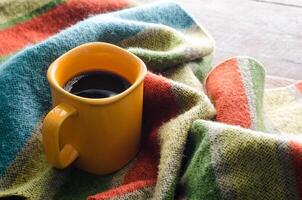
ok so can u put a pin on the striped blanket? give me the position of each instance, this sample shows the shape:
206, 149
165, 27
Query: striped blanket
208, 132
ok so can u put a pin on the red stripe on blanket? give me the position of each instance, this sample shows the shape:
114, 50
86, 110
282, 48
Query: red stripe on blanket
296, 155
299, 86
225, 87
125, 189
51, 22
159, 106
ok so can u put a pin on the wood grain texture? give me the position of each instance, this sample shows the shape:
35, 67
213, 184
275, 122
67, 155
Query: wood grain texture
268, 30
275, 82
291, 3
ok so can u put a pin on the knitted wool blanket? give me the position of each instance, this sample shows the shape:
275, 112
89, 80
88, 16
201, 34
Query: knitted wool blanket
207, 133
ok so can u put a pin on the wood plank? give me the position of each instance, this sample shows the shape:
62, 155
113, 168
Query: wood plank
270, 32
290, 3
275, 82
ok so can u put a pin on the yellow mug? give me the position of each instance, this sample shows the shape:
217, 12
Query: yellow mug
99, 135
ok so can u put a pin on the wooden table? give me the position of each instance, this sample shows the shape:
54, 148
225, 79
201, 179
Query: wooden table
268, 30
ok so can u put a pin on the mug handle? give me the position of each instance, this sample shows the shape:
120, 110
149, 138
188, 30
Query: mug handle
50, 135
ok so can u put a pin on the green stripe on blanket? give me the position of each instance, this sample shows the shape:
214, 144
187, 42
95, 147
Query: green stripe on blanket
28, 15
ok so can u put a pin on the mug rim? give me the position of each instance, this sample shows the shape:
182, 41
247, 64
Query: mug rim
96, 101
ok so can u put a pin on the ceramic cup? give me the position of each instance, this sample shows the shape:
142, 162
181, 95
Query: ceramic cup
97, 135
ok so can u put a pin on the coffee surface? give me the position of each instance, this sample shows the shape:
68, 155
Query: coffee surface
97, 84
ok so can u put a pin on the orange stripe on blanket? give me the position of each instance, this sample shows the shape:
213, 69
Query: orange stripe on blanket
51, 22
296, 155
299, 86
225, 87
125, 189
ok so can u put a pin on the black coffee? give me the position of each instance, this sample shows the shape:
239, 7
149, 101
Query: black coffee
97, 84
